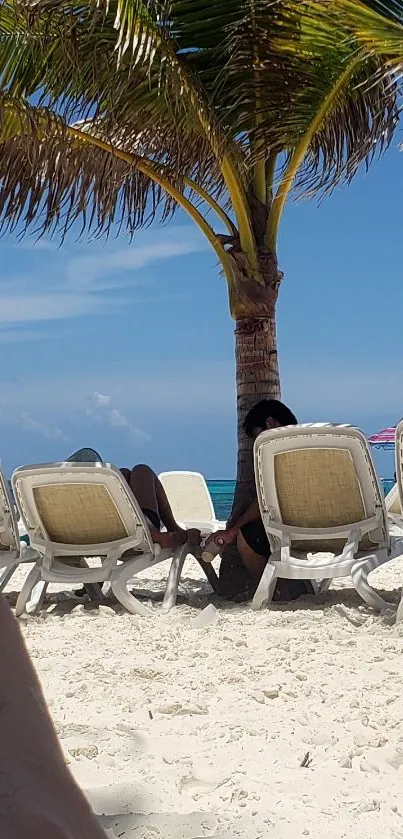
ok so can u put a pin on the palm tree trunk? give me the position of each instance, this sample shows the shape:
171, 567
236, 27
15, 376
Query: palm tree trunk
257, 377
253, 306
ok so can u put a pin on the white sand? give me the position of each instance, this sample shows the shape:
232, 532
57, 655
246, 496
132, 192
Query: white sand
177, 732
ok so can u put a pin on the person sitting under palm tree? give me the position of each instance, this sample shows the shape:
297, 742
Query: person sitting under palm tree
248, 530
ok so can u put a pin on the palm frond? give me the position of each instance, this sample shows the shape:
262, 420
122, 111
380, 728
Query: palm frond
377, 26
184, 83
67, 55
92, 69
50, 179
385, 9
359, 121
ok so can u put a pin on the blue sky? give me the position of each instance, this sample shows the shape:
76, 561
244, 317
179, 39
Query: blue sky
128, 347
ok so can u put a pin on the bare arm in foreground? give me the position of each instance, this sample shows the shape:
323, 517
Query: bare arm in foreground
38, 797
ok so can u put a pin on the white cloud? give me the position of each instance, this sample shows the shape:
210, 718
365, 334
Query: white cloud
101, 400
101, 410
45, 430
86, 271
315, 389
28, 308
118, 420
206, 387
75, 286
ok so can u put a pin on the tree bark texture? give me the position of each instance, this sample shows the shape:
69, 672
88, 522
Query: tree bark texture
253, 306
257, 377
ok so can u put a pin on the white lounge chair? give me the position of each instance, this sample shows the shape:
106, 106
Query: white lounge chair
74, 511
13, 551
395, 506
191, 501
394, 512
192, 506
322, 507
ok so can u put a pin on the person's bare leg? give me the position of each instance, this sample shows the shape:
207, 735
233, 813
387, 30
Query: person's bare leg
151, 495
253, 562
38, 797
142, 483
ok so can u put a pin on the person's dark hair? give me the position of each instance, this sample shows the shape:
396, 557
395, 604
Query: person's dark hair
257, 416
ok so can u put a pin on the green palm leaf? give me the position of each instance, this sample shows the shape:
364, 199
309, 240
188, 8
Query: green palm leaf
187, 83
53, 176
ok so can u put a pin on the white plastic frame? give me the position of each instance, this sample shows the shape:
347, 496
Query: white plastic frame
398, 521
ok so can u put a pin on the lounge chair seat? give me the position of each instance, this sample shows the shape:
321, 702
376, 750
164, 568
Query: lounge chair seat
191, 501
192, 506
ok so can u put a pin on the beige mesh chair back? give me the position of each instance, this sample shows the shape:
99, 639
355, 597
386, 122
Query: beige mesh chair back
74, 511
190, 500
322, 507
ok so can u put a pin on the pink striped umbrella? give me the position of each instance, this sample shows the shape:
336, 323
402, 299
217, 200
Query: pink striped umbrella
384, 439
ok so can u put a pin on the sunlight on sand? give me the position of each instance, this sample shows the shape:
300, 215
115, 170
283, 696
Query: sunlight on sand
285, 722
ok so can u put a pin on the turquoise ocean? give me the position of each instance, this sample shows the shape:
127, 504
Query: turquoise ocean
222, 493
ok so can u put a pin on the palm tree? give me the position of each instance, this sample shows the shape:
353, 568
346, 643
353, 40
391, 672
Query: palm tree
220, 107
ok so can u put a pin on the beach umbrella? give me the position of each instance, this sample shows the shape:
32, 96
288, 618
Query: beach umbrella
384, 439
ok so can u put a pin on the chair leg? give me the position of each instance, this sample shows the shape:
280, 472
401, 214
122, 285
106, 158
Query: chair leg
35, 602
321, 586
399, 613
265, 589
359, 576
32, 579
210, 573
120, 577
175, 571
6, 575
94, 591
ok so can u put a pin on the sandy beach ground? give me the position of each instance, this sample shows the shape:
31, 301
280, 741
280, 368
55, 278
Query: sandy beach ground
178, 732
